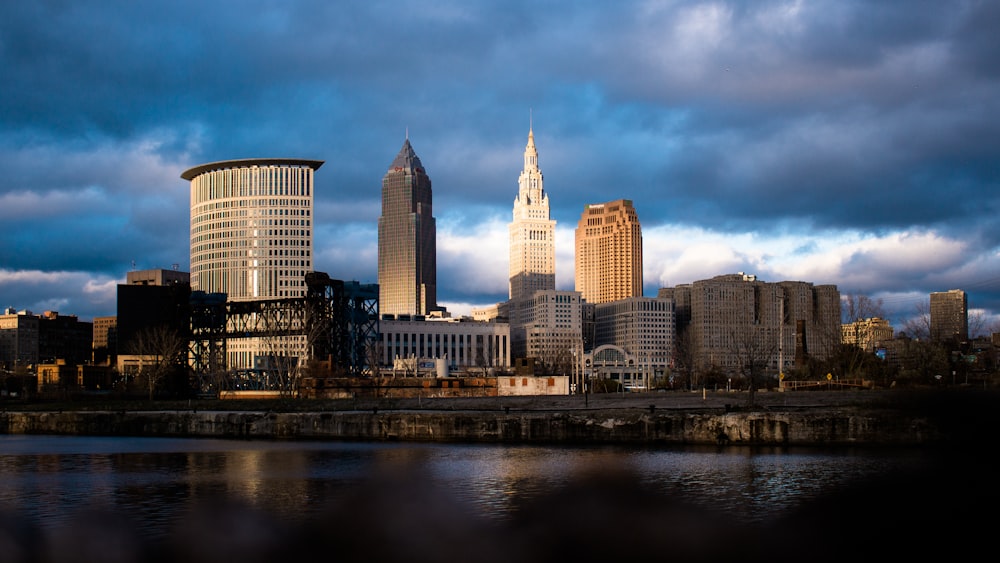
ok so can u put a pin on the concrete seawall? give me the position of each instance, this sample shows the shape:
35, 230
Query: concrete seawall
825, 427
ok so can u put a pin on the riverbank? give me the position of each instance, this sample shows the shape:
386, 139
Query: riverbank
834, 418
705, 400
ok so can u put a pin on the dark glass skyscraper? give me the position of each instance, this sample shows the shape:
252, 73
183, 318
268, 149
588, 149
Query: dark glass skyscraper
407, 248
949, 316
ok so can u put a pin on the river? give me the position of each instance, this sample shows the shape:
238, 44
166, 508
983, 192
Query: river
155, 489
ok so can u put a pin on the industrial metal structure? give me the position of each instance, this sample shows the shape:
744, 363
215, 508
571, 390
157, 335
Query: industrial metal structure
339, 321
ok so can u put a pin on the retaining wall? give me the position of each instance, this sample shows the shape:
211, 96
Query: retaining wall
788, 428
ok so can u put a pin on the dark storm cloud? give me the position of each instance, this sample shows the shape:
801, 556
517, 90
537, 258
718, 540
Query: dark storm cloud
850, 138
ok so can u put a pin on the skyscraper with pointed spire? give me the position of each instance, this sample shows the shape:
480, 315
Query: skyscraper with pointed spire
544, 323
407, 247
532, 232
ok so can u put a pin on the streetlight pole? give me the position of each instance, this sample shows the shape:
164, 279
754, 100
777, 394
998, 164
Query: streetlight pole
575, 374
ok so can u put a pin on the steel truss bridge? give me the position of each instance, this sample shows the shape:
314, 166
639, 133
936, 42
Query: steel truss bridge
337, 322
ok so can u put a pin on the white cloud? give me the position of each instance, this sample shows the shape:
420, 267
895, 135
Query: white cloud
480, 257
860, 261
83, 294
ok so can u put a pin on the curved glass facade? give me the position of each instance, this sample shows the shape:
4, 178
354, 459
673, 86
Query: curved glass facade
252, 228
252, 239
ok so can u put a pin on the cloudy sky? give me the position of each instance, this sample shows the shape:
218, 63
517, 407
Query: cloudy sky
833, 142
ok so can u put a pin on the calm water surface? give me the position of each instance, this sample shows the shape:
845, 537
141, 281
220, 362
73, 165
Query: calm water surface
153, 481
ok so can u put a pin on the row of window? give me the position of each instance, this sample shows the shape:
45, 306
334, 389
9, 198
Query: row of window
258, 207
243, 182
254, 224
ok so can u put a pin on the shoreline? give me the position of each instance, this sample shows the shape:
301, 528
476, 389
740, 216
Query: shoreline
840, 418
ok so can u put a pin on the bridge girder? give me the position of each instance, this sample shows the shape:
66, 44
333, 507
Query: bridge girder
338, 319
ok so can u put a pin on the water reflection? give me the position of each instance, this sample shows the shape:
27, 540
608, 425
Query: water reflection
157, 486
152, 479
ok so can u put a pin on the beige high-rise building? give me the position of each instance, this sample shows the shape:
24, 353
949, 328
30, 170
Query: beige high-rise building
734, 319
105, 340
867, 334
252, 238
252, 227
609, 252
642, 326
532, 232
550, 330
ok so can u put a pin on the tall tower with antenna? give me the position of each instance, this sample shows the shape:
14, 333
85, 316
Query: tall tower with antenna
407, 238
532, 231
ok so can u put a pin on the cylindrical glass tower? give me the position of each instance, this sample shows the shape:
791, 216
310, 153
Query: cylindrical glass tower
251, 227
252, 232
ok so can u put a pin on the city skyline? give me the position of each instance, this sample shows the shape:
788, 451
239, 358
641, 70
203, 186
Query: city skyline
843, 143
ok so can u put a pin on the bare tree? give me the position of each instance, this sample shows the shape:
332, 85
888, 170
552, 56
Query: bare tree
484, 355
978, 324
161, 351
373, 355
754, 348
281, 369
291, 346
855, 307
684, 355
547, 363
918, 327
923, 362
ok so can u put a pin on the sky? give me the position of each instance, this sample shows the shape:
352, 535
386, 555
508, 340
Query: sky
853, 143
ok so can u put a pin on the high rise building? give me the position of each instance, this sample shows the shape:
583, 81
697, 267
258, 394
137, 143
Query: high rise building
157, 277
643, 326
734, 319
105, 340
545, 324
532, 232
151, 300
18, 339
550, 329
949, 316
633, 341
609, 252
153, 308
252, 227
27, 340
252, 235
407, 245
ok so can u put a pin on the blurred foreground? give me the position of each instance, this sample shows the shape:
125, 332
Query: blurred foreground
602, 514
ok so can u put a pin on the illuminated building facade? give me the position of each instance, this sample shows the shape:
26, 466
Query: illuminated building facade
532, 232
609, 252
407, 239
252, 236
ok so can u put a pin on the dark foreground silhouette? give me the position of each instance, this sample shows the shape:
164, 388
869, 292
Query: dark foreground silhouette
945, 508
